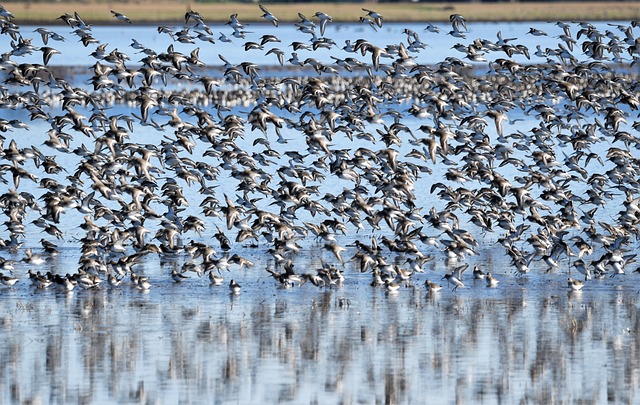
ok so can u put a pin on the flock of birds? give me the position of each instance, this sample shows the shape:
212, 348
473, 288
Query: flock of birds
561, 194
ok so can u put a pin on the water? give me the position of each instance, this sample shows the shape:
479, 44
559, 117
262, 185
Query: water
531, 340
522, 343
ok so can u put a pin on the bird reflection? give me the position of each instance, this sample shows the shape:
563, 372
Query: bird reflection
217, 348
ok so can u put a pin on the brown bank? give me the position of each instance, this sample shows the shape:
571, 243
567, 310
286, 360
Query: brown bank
148, 12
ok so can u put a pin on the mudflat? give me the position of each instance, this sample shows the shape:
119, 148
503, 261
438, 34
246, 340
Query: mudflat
143, 12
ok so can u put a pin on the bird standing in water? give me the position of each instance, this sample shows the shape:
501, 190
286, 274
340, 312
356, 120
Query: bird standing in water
575, 285
234, 287
491, 281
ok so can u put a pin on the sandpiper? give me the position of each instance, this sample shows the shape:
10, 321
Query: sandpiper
454, 281
268, 16
575, 285
432, 287
121, 17
143, 283
392, 285
8, 280
178, 277
375, 16
214, 278
477, 273
491, 281
32, 258
583, 268
234, 287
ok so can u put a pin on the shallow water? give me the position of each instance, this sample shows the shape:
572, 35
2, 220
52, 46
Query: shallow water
528, 341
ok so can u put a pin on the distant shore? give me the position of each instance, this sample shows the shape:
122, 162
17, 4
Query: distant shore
151, 12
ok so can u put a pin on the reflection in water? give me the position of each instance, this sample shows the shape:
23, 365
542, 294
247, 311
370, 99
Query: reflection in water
351, 345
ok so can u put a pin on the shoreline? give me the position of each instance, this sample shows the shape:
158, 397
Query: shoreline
164, 12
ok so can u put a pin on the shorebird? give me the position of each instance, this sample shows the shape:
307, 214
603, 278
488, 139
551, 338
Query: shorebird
6, 14
582, 268
455, 278
432, 28
142, 283
214, 278
121, 17
391, 285
375, 16
324, 19
477, 273
178, 277
8, 280
491, 281
457, 22
268, 16
38, 280
575, 285
67, 283
432, 287
536, 32
454, 281
234, 287
47, 53
32, 258
113, 281
234, 23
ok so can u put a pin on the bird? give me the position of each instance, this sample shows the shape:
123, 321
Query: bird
477, 273
324, 19
47, 53
575, 285
457, 22
536, 32
392, 285
491, 281
268, 16
432, 287
5, 264
8, 281
32, 258
432, 28
143, 283
457, 272
582, 268
6, 14
214, 278
454, 281
67, 283
121, 17
178, 277
375, 16
113, 281
234, 287
235, 23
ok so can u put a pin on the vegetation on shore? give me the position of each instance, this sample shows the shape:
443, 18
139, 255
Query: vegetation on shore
148, 12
